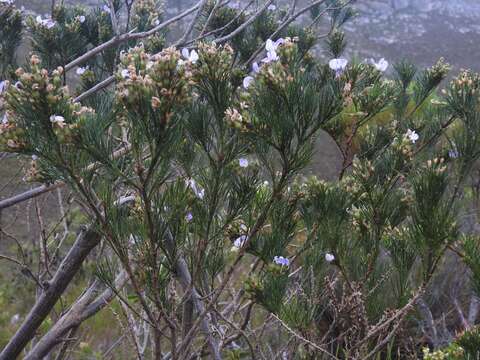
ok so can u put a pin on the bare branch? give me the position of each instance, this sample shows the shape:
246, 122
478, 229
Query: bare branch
128, 36
69, 267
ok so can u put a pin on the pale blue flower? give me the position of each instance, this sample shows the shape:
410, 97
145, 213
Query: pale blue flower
282, 261
189, 217
48, 23
271, 57
381, 65
255, 68
329, 257
338, 65
240, 241
81, 70
243, 162
453, 154
271, 45
247, 81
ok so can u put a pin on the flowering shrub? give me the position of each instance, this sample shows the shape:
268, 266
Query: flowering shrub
191, 172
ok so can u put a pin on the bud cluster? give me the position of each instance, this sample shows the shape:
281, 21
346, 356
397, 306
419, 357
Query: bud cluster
374, 97
463, 94
145, 13
214, 64
162, 79
437, 164
39, 102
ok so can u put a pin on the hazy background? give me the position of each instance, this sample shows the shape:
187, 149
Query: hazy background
422, 30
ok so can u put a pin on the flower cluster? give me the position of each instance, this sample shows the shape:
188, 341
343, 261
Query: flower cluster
275, 51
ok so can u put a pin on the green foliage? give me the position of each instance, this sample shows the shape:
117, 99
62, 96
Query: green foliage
469, 341
472, 259
10, 36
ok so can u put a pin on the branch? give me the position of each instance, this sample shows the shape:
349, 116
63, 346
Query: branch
85, 307
300, 337
244, 25
185, 278
126, 37
27, 195
189, 30
69, 267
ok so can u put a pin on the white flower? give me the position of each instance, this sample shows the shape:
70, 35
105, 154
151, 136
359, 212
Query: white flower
5, 119
338, 65
381, 65
3, 86
272, 7
255, 68
81, 19
240, 241
243, 162
199, 192
189, 217
48, 23
58, 120
81, 70
125, 74
34, 157
329, 257
15, 318
247, 81
191, 56
106, 9
156, 22
271, 45
282, 261
412, 136
271, 57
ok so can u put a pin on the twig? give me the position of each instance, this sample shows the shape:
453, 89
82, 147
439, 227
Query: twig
127, 37
244, 25
300, 337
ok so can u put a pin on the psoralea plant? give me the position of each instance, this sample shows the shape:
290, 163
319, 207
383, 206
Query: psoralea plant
187, 158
